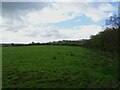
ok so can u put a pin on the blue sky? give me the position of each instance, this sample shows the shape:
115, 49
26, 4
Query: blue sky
53, 21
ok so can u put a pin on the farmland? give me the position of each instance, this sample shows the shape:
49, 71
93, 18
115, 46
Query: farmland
57, 67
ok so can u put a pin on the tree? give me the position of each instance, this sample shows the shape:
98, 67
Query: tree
32, 43
113, 21
12, 44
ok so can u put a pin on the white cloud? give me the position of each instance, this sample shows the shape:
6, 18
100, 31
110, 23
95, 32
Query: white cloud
47, 15
83, 32
98, 13
14, 24
58, 12
50, 33
94, 14
0, 29
106, 7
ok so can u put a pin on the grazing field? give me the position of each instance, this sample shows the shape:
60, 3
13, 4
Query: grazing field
57, 67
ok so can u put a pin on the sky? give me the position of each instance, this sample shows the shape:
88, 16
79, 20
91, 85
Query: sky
25, 22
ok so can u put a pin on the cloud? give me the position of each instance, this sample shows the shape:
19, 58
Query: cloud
50, 33
94, 14
59, 12
38, 24
60, 0
0, 29
106, 7
44, 32
99, 13
14, 25
54, 13
81, 32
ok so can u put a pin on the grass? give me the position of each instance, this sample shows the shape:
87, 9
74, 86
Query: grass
57, 67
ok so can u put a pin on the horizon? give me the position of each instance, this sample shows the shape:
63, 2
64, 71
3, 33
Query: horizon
26, 22
37, 42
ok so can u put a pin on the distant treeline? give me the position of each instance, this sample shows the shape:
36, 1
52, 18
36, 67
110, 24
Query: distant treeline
107, 40
64, 42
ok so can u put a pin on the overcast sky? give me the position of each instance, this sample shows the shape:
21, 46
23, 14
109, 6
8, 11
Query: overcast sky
25, 22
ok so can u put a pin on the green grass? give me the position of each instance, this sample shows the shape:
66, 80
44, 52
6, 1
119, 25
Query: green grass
57, 67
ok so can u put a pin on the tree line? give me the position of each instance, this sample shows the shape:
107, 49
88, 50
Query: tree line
107, 40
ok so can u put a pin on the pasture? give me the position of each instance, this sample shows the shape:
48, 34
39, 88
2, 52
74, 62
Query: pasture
57, 67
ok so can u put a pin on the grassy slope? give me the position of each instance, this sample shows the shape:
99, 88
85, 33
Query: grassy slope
56, 66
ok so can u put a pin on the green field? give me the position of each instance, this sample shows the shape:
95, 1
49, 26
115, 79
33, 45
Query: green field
57, 67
